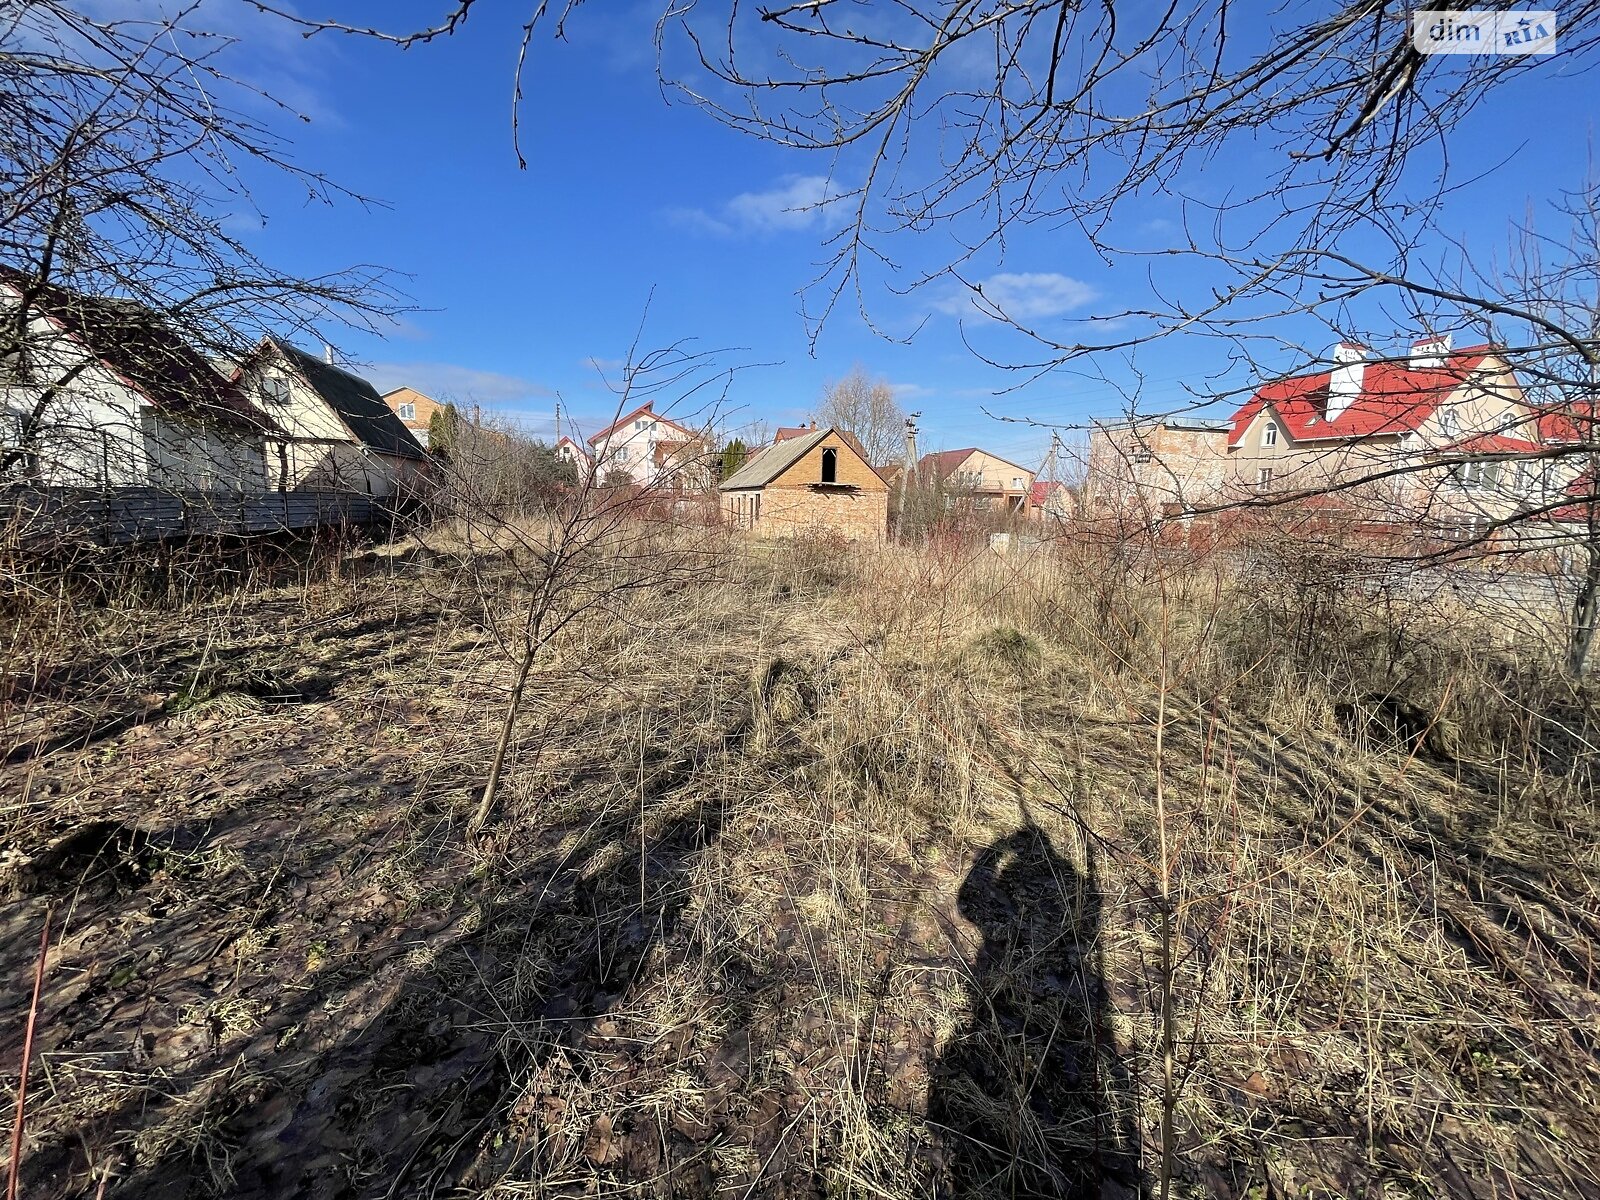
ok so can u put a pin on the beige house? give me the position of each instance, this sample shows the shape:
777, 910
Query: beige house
987, 481
1429, 437
337, 433
1154, 467
814, 483
414, 410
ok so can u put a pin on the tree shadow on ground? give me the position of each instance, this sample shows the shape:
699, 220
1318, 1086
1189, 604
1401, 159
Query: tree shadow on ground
1030, 1094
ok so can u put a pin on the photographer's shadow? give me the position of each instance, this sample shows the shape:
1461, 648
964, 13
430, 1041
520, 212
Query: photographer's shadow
1030, 1095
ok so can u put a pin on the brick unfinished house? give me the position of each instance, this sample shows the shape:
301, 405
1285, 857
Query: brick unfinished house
814, 482
1155, 467
1461, 409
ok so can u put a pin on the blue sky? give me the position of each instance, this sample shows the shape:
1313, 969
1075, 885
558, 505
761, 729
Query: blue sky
525, 279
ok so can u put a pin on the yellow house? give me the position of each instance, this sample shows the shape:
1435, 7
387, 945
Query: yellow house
992, 483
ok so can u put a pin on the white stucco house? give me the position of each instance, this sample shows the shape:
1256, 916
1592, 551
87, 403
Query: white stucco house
650, 450
335, 431
101, 393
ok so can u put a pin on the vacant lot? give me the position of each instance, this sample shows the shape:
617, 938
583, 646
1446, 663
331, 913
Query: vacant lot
820, 872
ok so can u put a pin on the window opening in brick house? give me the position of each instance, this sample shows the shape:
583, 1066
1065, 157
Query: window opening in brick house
1269, 435
830, 466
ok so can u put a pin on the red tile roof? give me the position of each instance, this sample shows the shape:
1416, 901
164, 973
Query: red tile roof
1571, 422
1039, 493
1584, 491
785, 432
645, 409
1489, 443
1395, 398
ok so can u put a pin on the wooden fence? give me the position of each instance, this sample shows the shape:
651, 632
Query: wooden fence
117, 516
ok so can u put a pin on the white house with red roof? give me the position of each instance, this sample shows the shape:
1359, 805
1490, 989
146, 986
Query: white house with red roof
1375, 427
651, 450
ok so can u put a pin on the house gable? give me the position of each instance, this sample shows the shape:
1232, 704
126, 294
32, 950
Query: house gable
851, 469
797, 463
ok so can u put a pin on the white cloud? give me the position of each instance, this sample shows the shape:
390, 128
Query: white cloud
1022, 296
451, 381
796, 202
909, 391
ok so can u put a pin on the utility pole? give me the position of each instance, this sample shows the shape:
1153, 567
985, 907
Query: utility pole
907, 472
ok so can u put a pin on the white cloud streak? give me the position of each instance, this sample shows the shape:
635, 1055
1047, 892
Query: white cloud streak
796, 202
451, 381
1022, 296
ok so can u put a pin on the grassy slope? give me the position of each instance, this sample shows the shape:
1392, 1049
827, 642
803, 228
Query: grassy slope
830, 875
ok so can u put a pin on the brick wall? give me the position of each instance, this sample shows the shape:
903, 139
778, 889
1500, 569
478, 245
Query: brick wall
426, 406
856, 514
851, 468
1153, 466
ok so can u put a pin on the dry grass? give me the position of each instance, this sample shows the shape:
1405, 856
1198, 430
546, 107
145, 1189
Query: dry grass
831, 872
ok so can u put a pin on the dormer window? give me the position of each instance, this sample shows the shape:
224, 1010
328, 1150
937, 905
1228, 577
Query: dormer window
1449, 422
275, 389
1269, 434
830, 466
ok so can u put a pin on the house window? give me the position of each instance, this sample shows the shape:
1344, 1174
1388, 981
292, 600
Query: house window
756, 516
408, 412
275, 389
622, 454
1477, 474
1016, 483
830, 466
1143, 456
1269, 434
641, 424
1449, 422
1264, 477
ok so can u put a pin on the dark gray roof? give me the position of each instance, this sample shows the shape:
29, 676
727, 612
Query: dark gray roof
357, 402
774, 461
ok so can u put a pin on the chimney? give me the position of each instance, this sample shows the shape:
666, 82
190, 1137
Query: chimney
327, 353
1430, 352
911, 443
1349, 374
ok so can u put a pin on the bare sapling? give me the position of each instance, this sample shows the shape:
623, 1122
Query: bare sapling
592, 534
